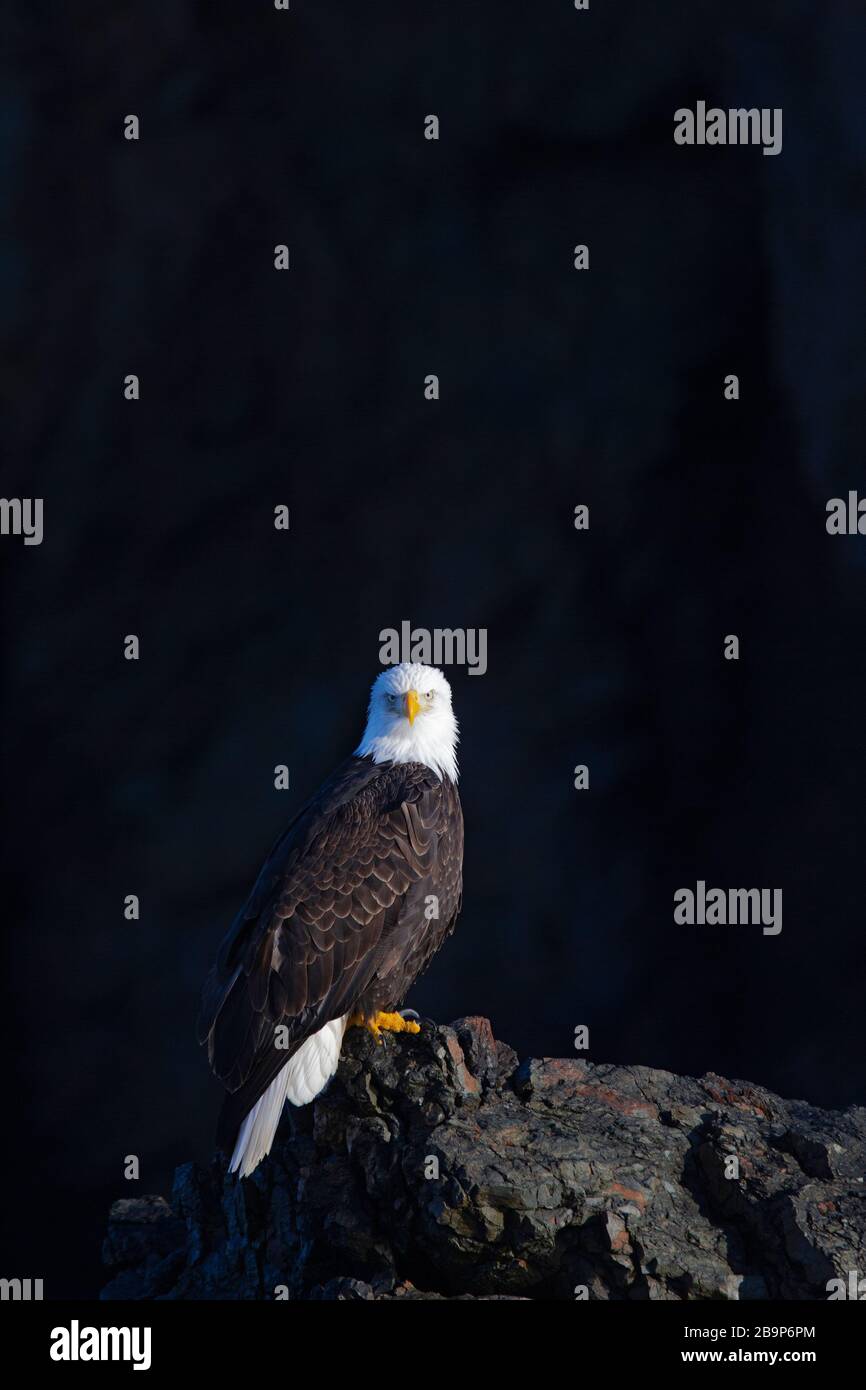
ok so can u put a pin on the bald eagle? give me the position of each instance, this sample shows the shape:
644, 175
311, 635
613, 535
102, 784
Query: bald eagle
353, 901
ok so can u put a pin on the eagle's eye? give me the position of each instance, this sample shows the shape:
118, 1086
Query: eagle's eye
429, 694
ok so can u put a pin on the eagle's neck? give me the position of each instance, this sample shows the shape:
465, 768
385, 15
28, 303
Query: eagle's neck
431, 741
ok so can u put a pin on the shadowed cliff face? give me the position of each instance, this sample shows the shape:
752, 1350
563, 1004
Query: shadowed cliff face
438, 1166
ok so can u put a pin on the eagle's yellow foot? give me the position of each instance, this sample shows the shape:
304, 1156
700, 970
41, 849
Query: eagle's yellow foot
380, 1023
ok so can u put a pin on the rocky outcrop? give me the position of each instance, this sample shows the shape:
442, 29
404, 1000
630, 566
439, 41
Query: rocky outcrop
438, 1166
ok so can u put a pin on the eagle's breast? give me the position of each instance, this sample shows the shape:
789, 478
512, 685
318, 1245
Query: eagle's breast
429, 910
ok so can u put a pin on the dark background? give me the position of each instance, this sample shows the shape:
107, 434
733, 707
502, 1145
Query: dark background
306, 388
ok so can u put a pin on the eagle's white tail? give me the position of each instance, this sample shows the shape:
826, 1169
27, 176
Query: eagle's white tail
300, 1081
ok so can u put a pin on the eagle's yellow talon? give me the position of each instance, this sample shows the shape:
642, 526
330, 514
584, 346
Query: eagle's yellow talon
380, 1023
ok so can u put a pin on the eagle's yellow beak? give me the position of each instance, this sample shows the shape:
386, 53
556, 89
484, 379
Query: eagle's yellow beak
413, 704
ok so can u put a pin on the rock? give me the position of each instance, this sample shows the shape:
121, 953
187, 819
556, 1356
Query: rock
146, 1244
436, 1166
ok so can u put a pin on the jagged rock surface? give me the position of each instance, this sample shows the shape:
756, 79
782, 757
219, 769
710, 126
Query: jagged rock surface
438, 1166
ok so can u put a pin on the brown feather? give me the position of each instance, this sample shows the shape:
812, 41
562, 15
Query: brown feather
336, 921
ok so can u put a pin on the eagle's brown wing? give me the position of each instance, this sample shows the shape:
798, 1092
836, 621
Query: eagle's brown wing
327, 911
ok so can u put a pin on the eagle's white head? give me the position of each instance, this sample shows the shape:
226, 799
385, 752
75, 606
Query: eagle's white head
410, 719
